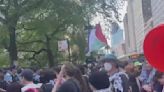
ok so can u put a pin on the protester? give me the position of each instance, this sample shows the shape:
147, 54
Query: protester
83, 70
3, 84
14, 87
133, 78
146, 77
36, 76
56, 71
159, 76
99, 82
137, 68
27, 80
118, 79
8, 76
46, 77
14, 74
71, 84
108, 75
82, 80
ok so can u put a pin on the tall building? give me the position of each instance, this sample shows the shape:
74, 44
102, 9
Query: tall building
157, 12
127, 36
129, 23
138, 25
117, 40
141, 17
147, 15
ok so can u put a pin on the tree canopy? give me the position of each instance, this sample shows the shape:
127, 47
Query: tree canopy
30, 29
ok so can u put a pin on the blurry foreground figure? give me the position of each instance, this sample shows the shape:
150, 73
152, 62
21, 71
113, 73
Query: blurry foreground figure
146, 77
27, 81
74, 81
3, 84
14, 87
133, 80
99, 82
159, 77
46, 76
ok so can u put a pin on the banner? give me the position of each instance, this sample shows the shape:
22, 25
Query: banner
63, 45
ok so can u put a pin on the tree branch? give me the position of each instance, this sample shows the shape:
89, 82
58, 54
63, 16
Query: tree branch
30, 42
24, 3
38, 52
23, 26
35, 52
16, 4
3, 20
58, 28
28, 8
4, 10
26, 51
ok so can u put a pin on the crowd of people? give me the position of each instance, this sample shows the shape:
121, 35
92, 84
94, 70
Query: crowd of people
107, 75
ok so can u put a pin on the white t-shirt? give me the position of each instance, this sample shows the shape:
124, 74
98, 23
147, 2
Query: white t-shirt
28, 86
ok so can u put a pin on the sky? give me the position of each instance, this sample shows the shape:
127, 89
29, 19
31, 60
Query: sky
106, 29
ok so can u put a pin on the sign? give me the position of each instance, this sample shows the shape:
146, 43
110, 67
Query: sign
63, 45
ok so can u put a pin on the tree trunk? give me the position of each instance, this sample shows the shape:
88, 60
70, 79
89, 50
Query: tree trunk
12, 45
49, 52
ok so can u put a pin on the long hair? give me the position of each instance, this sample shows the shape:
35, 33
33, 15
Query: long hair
74, 72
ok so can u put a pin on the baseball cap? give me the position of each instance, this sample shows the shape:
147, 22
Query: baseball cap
109, 58
137, 63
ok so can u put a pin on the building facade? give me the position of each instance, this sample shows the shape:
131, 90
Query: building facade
141, 17
130, 39
157, 12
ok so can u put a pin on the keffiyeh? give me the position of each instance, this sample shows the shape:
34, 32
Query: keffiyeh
117, 81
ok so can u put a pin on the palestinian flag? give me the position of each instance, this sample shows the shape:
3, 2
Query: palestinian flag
97, 39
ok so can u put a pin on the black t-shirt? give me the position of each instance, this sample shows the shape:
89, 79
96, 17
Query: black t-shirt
133, 83
69, 86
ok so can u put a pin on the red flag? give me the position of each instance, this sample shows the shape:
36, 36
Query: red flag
100, 35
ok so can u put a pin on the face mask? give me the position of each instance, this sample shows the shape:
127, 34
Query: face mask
108, 66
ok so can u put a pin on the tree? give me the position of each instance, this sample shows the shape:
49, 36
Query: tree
104, 7
47, 26
33, 27
11, 12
